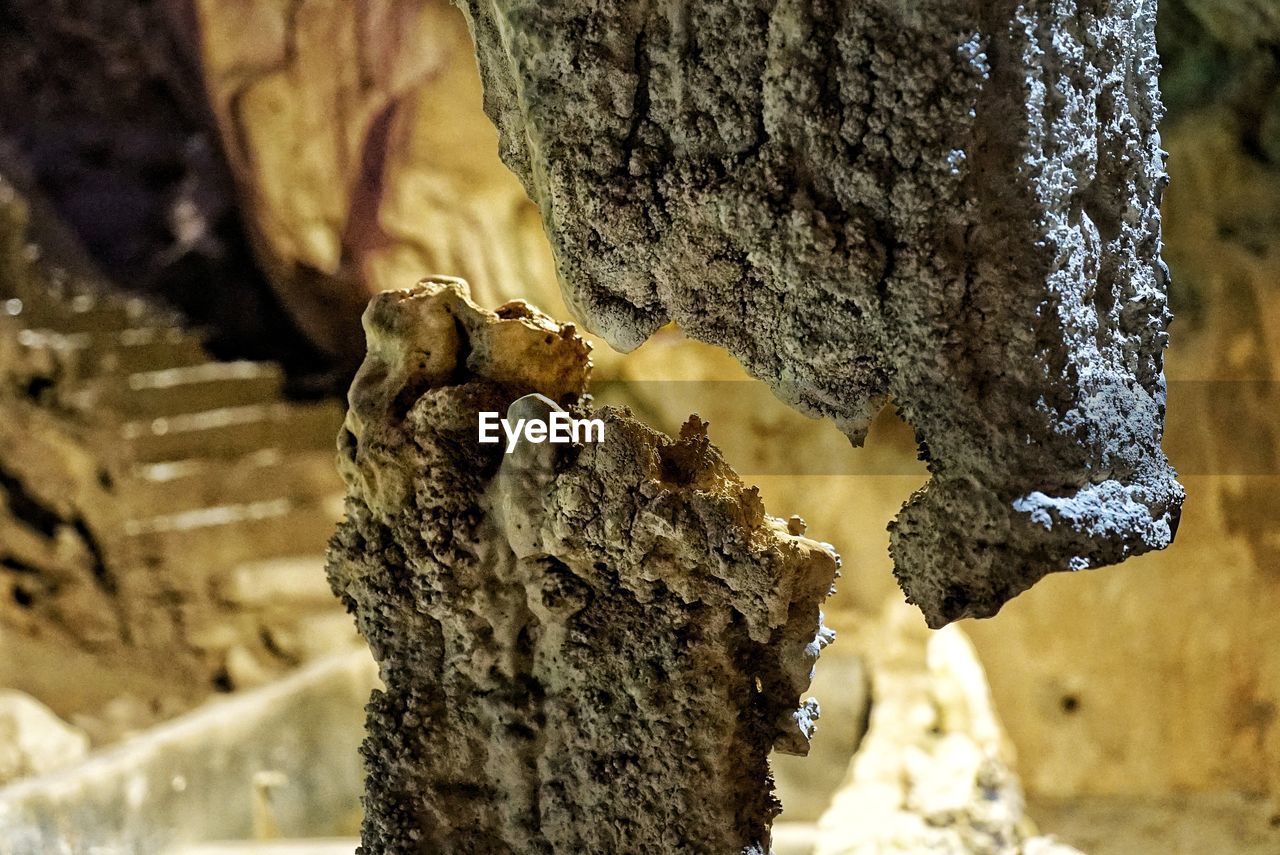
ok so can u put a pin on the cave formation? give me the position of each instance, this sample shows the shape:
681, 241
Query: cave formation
585, 649
952, 208
951, 205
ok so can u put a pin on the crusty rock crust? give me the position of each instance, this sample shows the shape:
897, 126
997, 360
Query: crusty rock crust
585, 648
953, 203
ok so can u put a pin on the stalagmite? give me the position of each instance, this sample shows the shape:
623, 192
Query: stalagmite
934, 772
586, 648
951, 204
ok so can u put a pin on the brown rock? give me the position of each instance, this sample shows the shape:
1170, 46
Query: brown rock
585, 648
362, 157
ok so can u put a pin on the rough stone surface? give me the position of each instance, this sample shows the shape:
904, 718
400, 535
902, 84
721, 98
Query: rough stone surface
586, 648
1095, 711
951, 204
934, 773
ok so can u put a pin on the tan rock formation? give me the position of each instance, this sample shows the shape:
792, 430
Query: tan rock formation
585, 648
362, 156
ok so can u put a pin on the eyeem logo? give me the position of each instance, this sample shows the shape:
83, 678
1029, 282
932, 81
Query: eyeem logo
560, 428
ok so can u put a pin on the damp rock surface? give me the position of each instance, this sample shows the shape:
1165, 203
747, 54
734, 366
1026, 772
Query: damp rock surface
585, 648
951, 204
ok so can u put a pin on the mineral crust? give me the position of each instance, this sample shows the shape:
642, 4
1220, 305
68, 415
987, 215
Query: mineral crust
950, 203
585, 648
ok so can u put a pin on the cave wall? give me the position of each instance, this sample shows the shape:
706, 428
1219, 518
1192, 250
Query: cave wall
264, 166
361, 156
102, 103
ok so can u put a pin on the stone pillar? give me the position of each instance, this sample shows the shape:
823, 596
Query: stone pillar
586, 648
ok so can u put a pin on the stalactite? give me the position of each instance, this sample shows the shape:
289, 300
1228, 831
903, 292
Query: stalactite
951, 204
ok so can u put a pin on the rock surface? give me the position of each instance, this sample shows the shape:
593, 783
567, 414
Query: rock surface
584, 647
1095, 711
105, 105
951, 204
362, 156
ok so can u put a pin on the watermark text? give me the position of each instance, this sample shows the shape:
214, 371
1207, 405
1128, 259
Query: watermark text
559, 428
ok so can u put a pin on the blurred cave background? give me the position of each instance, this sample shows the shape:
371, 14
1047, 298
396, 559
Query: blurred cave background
255, 169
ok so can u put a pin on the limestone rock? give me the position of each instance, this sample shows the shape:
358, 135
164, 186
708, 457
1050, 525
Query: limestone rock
933, 773
1094, 711
1240, 24
585, 648
955, 205
362, 157
34, 740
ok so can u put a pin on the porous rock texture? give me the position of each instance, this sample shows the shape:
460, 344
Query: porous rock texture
953, 204
585, 648
1103, 682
